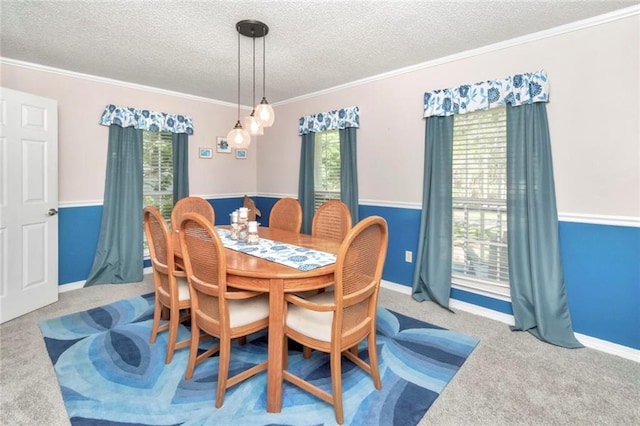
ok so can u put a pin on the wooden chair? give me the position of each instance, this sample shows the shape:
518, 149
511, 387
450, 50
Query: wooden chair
253, 210
216, 310
332, 220
335, 322
170, 284
191, 205
286, 214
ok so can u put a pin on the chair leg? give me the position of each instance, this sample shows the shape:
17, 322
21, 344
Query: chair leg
223, 370
373, 360
193, 350
285, 353
354, 350
156, 321
336, 384
306, 352
174, 321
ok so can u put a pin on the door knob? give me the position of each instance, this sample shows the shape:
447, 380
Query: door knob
52, 212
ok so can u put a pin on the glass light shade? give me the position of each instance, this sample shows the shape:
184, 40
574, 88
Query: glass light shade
265, 114
238, 137
252, 125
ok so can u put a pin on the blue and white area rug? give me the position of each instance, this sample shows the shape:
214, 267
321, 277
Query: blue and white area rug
109, 374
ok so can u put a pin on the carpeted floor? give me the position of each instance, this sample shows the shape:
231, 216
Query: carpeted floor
511, 378
109, 373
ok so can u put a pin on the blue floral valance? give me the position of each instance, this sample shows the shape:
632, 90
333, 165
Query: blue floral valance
338, 119
146, 120
518, 89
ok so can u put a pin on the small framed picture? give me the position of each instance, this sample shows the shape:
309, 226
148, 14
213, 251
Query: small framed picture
241, 154
205, 153
222, 145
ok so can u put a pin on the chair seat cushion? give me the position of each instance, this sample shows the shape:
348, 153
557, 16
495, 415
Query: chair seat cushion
183, 289
246, 311
316, 325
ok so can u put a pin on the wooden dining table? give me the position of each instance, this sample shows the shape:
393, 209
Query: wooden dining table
252, 273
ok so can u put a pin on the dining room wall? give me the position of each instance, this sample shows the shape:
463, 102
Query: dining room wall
82, 150
82, 142
593, 117
594, 120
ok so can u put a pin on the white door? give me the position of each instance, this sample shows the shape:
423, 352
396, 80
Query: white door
28, 203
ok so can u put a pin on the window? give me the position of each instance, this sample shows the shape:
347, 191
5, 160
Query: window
326, 167
479, 192
157, 172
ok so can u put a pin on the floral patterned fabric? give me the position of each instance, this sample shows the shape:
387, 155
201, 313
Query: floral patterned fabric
518, 89
338, 119
301, 258
144, 119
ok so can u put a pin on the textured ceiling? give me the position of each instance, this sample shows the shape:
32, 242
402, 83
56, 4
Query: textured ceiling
191, 46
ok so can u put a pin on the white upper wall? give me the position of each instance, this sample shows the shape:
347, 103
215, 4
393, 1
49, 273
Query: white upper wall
594, 120
82, 142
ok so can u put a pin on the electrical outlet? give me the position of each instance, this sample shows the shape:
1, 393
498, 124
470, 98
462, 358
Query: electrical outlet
408, 256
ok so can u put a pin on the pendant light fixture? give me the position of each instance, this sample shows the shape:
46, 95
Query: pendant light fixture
251, 123
238, 137
264, 111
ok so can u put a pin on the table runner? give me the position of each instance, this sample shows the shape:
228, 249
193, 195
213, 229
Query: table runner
301, 258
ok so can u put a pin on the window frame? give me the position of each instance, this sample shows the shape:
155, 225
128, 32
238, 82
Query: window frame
320, 193
476, 208
158, 195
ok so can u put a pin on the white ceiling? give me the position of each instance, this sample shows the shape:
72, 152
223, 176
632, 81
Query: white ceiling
313, 45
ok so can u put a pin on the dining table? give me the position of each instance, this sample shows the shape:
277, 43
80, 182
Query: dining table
248, 272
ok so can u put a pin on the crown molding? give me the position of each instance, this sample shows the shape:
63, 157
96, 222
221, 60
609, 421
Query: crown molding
578, 25
563, 29
113, 82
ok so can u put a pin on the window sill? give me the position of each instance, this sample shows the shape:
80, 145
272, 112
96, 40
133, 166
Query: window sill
482, 288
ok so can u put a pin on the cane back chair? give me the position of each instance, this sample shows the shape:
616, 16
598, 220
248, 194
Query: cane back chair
286, 214
170, 285
217, 310
331, 220
335, 322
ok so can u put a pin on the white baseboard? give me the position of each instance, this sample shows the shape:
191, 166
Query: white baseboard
70, 286
588, 341
609, 347
80, 284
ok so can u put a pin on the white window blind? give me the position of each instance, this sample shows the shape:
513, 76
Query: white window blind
480, 201
157, 172
327, 167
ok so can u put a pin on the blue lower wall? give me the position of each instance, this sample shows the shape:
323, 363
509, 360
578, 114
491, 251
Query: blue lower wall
404, 225
78, 231
601, 263
602, 276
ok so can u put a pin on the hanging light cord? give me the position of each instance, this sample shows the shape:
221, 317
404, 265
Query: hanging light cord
254, 69
264, 53
238, 76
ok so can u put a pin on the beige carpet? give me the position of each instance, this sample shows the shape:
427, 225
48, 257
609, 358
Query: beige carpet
510, 378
